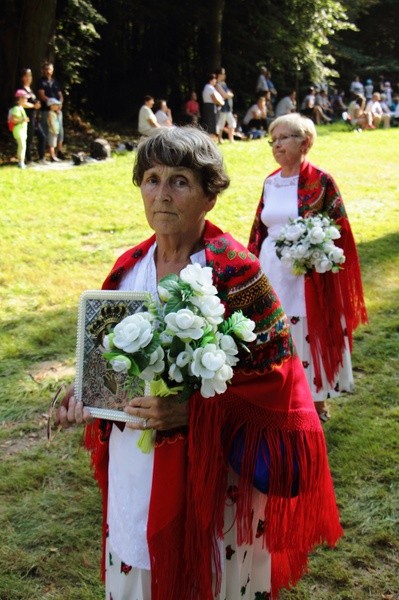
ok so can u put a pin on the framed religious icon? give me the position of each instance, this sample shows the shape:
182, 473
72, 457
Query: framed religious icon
102, 390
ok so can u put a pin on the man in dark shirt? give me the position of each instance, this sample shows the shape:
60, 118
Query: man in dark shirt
50, 88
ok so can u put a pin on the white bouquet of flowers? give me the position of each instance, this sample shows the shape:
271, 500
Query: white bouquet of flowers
182, 343
307, 244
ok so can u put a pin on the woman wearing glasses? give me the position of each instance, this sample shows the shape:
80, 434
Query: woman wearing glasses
324, 308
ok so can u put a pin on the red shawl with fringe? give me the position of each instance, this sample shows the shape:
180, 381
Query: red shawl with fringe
328, 296
269, 397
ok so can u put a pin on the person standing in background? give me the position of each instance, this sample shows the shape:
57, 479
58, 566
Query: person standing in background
261, 83
53, 122
49, 87
324, 308
226, 116
212, 101
19, 120
34, 124
192, 108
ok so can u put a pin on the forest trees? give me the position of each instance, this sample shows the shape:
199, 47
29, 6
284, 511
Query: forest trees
109, 54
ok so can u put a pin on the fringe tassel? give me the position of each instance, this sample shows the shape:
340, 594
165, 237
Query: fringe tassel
96, 441
293, 525
334, 301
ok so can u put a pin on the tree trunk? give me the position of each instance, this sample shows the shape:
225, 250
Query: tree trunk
26, 36
215, 34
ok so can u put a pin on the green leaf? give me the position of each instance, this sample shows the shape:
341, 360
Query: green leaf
174, 304
110, 355
176, 346
171, 284
134, 369
153, 345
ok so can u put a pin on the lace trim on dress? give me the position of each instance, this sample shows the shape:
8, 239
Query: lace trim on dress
278, 181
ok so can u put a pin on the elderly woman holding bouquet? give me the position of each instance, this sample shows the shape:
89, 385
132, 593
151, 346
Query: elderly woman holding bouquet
302, 237
236, 490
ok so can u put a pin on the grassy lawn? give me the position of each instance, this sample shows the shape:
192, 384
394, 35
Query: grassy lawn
60, 232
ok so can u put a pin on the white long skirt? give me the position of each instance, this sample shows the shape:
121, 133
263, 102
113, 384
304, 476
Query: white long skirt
246, 568
344, 380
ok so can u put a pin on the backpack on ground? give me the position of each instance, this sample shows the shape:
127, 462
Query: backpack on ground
100, 149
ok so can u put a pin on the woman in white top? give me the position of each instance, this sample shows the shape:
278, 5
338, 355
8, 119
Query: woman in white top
375, 109
163, 114
325, 308
199, 516
212, 100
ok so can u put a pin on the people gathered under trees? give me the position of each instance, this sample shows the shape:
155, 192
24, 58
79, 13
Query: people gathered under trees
368, 105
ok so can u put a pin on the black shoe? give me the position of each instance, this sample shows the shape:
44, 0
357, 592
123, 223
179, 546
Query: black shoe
60, 155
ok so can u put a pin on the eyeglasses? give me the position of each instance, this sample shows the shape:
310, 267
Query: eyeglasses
282, 139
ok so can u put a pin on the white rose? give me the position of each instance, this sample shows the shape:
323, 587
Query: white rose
185, 324
218, 383
163, 294
333, 233
108, 342
120, 364
211, 308
229, 347
206, 361
323, 265
199, 278
336, 255
294, 232
325, 221
242, 327
175, 373
183, 358
300, 251
316, 235
317, 255
179, 362
328, 246
286, 251
156, 366
133, 333
165, 338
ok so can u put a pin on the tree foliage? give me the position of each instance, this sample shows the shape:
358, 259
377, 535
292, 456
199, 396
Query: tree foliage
109, 54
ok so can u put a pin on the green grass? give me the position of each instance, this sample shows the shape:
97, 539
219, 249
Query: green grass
60, 232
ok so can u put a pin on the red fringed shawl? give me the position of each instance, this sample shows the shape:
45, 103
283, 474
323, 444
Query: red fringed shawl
329, 296
270, 398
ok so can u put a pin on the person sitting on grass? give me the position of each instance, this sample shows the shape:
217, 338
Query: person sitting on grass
359, 117
163, 114
377, 114
147, 120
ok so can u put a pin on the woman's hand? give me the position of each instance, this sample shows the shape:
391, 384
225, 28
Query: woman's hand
159, 413
71, 411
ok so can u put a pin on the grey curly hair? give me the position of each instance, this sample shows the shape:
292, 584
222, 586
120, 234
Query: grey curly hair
188, 147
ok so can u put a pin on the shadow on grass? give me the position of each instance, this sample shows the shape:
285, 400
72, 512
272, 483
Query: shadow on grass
382, 249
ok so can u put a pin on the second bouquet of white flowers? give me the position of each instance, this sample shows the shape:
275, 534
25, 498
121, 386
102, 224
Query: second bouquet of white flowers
182, 343
307, 243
